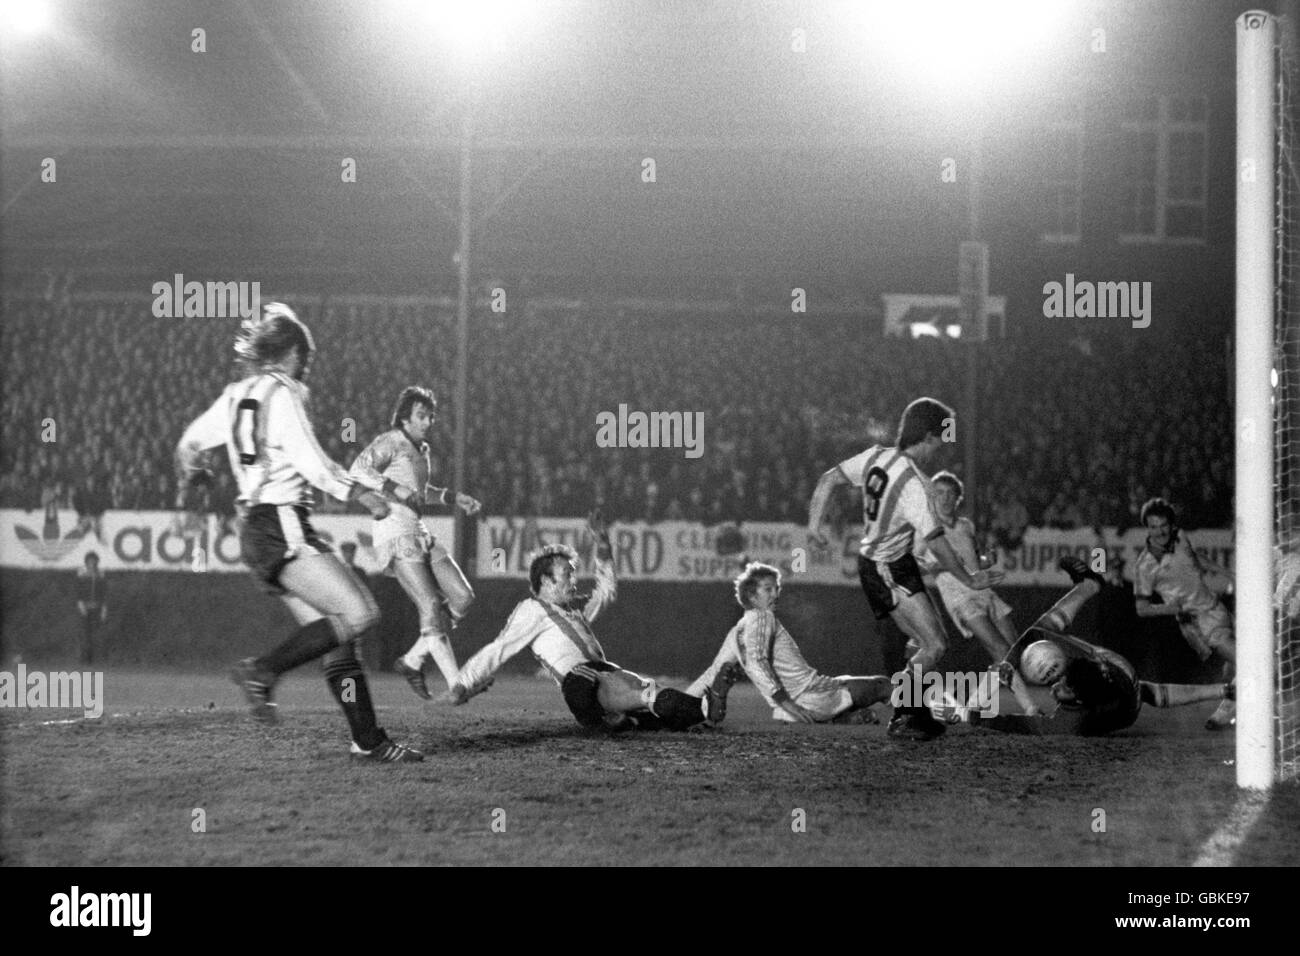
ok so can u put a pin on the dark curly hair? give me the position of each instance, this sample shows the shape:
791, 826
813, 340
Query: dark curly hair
411, 396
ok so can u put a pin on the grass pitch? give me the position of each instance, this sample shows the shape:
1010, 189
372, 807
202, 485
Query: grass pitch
176, 773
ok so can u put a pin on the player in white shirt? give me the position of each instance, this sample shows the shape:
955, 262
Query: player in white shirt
979, 614
760, 644
556, 625
1169, 566
399, 461
897, 510
262, 421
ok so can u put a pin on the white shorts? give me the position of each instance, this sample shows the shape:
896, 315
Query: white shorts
965, 604
826, 699
1215, 626
401, 537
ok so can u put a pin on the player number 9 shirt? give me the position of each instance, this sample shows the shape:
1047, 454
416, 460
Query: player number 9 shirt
896, 504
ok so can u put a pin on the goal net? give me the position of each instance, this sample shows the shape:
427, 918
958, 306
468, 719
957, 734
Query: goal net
1267, 402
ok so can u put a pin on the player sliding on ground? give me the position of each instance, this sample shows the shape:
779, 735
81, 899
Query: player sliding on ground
896, 510
981, 614
1063, 685
760, 644
398, 460
556, 624
262, 421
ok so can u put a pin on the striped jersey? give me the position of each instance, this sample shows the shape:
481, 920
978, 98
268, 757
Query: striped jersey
276, 460
896, 505
560, 637
771, 659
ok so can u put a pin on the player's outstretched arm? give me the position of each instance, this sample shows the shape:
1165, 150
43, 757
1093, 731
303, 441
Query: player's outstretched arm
606, 590
948, 561
526, 623
821, 496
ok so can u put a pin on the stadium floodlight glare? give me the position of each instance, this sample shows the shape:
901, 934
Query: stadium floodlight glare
471, 28
24, 17
958, 42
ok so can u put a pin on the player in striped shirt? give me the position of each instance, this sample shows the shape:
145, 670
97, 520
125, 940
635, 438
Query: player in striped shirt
556, 625
979, 614
398, 461
760, 644
1169, 566
897, 511
262, 421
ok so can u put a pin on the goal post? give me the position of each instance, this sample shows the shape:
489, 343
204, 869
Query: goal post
1267, 386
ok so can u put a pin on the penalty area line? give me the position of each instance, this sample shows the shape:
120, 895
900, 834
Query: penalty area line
1222, 846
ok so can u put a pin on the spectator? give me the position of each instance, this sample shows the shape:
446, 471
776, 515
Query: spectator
92, 605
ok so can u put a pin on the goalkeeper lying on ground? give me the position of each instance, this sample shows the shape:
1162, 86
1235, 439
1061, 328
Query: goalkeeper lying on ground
556, 624
1063, 685
771, 659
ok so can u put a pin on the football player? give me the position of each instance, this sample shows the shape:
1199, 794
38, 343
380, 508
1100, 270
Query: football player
764, 649
1170, 567
398, 461
981, 614
897, 510
262, 421
1074, 687
556, 624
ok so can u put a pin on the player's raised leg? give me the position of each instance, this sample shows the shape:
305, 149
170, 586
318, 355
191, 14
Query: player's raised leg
417, 580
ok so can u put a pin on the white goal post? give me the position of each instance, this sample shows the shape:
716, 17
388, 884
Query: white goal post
1267, 379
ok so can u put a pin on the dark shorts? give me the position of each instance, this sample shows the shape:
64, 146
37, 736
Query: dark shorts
580, 694
273, 536
906, 574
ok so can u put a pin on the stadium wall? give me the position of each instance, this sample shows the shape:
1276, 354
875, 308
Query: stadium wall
183, 620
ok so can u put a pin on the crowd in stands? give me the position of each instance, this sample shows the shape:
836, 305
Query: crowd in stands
1069, 433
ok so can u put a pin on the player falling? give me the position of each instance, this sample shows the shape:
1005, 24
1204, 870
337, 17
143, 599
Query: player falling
398, 460
897, 509
556, 624
981, 614
1064, 685
262, 421
760, 644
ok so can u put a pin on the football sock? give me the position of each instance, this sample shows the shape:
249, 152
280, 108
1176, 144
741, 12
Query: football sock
437, 645
348, 684
305, 644
415, 656
1175, 695
678, 711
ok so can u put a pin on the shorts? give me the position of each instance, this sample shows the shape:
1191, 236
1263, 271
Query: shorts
401, 537
1215, 626
273, 536
581, 692
884, 582
965, 605
825, 700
